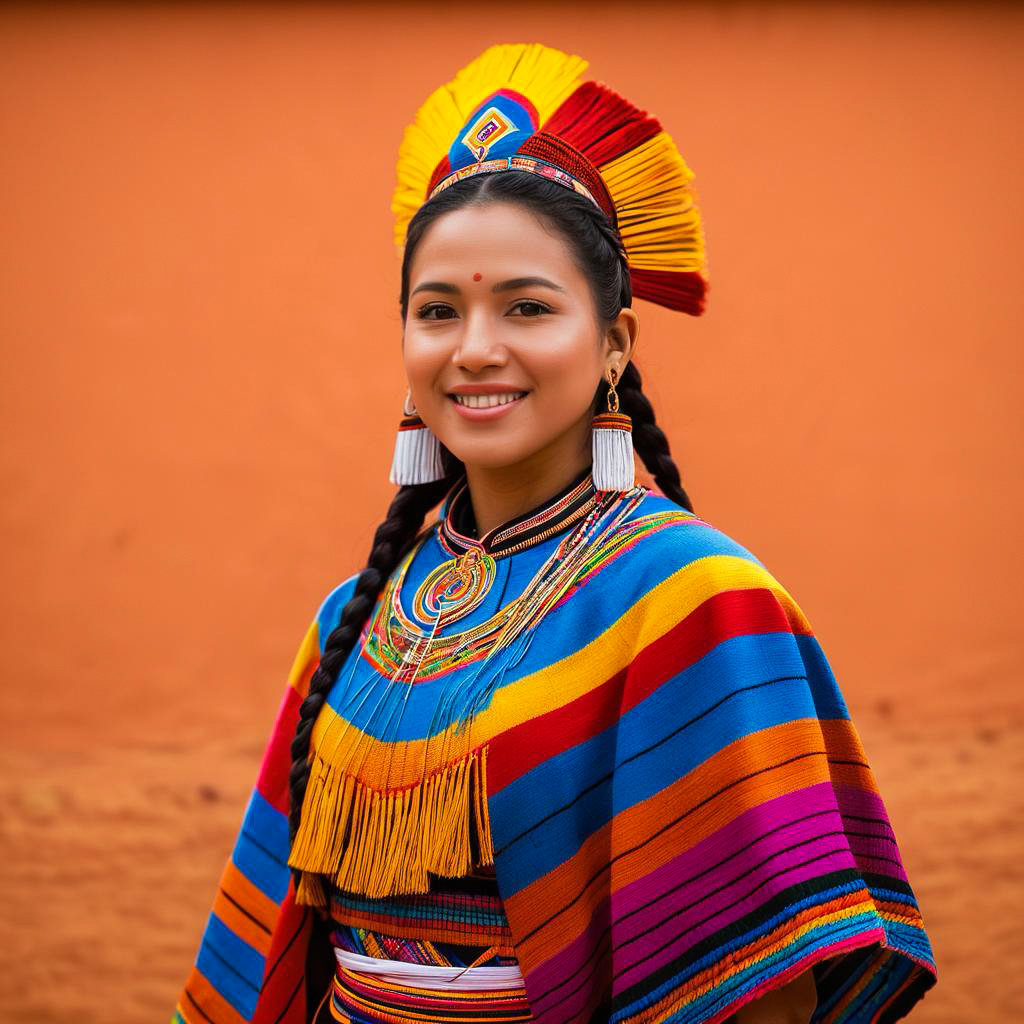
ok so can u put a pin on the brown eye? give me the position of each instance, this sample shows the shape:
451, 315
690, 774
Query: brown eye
530, 308
443, 311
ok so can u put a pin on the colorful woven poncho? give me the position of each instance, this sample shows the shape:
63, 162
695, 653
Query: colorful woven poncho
653, 753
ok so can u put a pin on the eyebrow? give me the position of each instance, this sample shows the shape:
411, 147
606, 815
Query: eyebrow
502, 286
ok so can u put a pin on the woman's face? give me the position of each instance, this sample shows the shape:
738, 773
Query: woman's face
500, 317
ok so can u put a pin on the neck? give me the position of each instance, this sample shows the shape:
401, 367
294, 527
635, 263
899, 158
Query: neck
501, 493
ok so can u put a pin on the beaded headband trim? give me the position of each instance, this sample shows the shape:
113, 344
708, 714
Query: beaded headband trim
516, 163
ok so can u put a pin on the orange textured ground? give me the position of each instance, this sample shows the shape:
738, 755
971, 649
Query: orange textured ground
201, 379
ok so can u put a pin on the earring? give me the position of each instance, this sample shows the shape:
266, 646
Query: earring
613, 467
417, 450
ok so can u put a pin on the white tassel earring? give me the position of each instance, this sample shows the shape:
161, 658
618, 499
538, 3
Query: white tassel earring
613, 468
417, 450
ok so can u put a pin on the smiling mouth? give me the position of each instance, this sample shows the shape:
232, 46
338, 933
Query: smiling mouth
488, 401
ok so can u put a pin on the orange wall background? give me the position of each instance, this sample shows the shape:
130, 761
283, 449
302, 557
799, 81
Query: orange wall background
202, 377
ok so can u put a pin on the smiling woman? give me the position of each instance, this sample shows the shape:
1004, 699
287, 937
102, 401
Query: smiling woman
568, 753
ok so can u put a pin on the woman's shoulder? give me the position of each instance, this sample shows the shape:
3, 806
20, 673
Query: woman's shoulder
328, 614
659, 531
677, 557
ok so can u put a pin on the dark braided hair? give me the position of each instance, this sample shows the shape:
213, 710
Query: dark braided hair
393, 539
649, 439
597, 249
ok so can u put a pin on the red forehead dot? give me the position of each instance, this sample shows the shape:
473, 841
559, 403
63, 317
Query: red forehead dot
477, 277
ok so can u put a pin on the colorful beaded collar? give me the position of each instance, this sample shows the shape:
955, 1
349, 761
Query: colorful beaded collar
553, 516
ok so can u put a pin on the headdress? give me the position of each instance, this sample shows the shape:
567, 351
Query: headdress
525, 107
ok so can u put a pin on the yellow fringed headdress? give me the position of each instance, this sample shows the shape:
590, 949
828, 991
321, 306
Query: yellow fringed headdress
524, 107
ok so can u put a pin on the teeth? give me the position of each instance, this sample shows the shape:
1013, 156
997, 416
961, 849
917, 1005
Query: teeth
486, 401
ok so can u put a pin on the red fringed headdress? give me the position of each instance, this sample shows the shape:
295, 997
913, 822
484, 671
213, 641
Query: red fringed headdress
523, 107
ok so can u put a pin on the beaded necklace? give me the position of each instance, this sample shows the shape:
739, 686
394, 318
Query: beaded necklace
439, 824
421, 649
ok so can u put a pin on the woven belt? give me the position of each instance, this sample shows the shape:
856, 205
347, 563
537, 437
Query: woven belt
479, 979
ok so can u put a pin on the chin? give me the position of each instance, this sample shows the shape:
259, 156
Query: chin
490, 456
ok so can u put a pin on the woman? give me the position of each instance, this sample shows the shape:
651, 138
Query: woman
569, 753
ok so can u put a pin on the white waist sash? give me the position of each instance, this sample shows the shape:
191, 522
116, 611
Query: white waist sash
398, 972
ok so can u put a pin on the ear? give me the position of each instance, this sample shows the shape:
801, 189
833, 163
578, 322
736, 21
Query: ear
621, 337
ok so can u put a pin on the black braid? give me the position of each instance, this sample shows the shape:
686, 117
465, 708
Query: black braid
393, 539
649, 439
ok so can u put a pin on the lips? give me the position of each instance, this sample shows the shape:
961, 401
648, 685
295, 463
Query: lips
487, 401
490, 406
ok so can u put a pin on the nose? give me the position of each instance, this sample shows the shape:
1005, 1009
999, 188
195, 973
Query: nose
479, 345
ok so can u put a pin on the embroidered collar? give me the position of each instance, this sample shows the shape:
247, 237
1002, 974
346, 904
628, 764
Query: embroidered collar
457, 533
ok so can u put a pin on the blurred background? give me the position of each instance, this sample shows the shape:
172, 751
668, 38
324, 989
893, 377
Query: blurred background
202, 379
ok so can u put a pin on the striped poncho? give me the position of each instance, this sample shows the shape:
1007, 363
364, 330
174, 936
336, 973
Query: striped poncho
659, 764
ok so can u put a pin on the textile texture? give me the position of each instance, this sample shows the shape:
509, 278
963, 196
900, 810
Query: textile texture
678, 807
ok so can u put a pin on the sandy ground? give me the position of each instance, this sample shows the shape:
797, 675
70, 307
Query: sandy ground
110, 859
